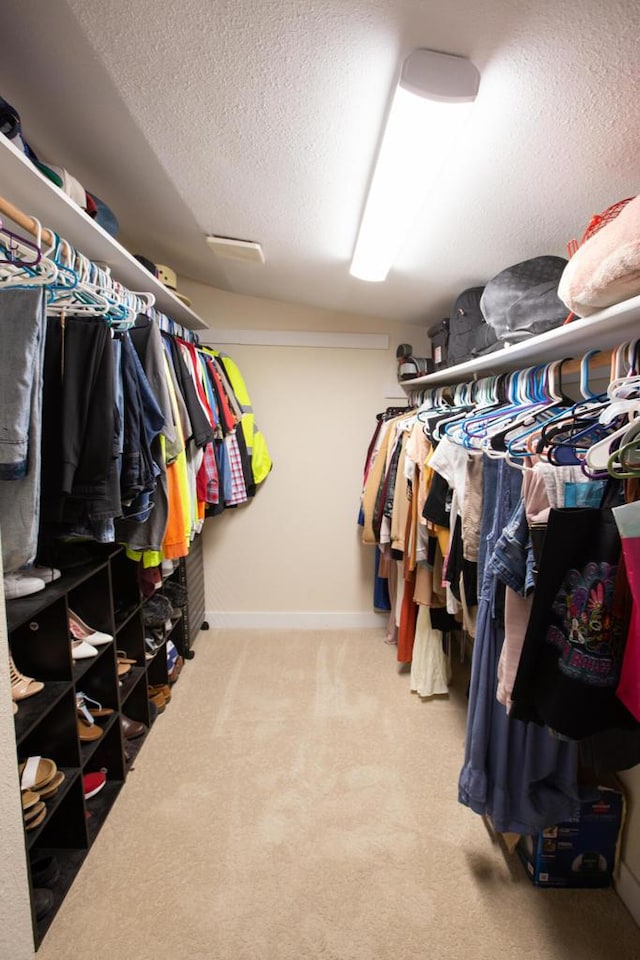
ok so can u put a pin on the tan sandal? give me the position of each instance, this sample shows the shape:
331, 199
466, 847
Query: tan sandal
37, 820
29, 799
123, 658
88, 732
36, 773
21, 686
53, 786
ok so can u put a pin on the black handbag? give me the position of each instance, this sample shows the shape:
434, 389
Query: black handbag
522, 301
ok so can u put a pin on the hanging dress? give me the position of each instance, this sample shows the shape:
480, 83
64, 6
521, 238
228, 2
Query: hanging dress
516, 773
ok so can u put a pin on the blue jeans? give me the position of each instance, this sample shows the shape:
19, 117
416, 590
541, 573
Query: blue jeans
22, 321
512, 558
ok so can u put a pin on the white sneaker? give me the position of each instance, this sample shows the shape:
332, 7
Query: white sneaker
21, 585
48, 574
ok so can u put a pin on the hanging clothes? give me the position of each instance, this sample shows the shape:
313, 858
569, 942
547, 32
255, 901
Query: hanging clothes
21, 423
514, 772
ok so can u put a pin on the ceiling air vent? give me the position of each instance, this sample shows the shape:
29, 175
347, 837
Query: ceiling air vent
230, 249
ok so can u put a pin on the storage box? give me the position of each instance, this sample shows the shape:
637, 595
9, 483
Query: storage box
580, 852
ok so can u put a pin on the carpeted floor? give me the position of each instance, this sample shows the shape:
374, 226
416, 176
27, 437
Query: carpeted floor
296, 801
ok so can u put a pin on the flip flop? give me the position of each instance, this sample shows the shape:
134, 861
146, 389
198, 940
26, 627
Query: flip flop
52, 787
36, 773
123, 658
34, 811
88, 732
32, 824
29, 799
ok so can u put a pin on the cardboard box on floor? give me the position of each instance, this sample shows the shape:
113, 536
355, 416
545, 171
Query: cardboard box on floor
580, 852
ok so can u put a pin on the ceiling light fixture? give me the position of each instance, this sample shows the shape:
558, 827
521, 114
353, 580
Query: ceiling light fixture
431, 103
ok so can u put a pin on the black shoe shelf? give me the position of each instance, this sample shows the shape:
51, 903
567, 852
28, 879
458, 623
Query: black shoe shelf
104, 592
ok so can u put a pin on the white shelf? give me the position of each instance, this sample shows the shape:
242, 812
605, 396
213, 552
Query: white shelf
602, 331
27, 188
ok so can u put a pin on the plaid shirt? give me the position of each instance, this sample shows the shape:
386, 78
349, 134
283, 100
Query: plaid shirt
238, 489
208, 481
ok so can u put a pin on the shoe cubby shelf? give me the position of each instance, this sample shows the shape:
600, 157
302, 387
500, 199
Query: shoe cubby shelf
104, 593
101, 588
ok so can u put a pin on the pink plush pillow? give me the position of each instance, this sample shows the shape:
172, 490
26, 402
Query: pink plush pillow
606, 268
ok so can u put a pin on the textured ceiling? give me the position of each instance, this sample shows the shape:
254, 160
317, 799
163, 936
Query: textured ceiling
260, 119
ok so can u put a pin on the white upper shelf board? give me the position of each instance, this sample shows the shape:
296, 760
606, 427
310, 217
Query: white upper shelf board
602, 331
23, 185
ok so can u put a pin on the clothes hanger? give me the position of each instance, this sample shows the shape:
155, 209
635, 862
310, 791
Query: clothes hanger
622, 406
481, 395
550, 439
547, 390
523, 398
622, 465
26, 273
18, 251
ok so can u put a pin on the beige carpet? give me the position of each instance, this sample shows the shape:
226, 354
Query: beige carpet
296, 801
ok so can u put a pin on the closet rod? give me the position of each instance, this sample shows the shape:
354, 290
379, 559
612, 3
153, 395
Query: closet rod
25, 221
600, 360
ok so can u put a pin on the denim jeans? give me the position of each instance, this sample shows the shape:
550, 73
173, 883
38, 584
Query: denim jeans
22, 321
512, 558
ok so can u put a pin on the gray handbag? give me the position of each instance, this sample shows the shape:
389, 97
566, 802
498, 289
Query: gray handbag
523, 301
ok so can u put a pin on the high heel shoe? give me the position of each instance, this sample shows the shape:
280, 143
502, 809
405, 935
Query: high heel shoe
79, 630
21, 686
81, 650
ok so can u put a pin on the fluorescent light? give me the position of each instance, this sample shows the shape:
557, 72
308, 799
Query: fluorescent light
430, 106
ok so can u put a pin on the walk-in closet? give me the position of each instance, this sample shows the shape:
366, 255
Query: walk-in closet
319, 480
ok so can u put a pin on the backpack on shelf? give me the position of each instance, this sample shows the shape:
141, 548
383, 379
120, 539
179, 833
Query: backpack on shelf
410, 367
469, 333
522, 301
439, 337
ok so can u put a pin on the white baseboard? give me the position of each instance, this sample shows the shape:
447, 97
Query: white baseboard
628, 889
292, 620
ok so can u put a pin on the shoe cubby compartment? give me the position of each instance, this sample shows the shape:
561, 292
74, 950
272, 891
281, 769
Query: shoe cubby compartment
91, 601
130, 639
104, 660
106, 751
40, 645
65, 825
177, 634
125, 589
137, 706
129, 683
55, 736
33, 711
68, 863
157, 668
97, 679
58, 802
99, 807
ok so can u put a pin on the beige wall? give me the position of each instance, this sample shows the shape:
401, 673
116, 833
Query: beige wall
295, 551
